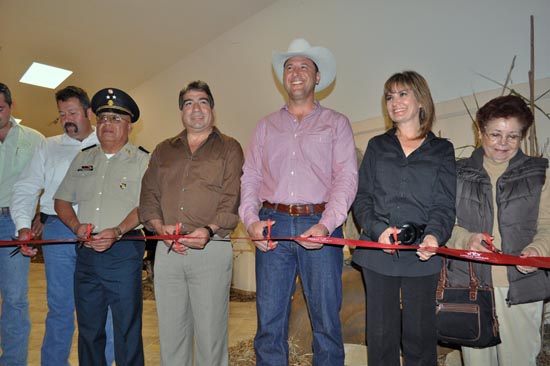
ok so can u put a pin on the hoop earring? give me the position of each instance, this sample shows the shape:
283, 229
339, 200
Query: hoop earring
421, 115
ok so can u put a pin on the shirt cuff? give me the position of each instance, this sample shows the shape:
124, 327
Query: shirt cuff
22, 224
328, 224
250, 219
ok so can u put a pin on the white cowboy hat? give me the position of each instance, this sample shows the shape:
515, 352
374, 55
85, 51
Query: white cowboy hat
323, 58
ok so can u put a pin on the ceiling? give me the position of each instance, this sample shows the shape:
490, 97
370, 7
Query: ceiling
119, 43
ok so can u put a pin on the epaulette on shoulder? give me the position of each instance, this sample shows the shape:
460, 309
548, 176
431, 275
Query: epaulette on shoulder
89, 147
143, 149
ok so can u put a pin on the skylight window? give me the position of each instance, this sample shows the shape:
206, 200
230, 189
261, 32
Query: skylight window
44, 75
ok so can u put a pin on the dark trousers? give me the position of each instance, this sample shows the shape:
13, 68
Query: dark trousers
401, 312
111, 278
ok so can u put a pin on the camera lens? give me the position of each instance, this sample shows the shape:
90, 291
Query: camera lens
409, 234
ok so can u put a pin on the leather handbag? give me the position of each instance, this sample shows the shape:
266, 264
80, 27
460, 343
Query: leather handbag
466, 316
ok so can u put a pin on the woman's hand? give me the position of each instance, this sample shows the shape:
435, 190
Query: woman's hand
528, 252
476, 243
384, 238
425, 251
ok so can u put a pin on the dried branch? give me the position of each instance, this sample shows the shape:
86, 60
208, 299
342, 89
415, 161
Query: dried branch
533, 141
509, 76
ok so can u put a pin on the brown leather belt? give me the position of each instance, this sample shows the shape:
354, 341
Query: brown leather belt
296, 210
4, 210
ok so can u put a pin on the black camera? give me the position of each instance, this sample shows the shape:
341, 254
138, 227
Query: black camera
410, 234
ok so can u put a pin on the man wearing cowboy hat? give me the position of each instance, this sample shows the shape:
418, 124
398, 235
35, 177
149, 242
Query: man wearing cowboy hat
301, 167
105, 182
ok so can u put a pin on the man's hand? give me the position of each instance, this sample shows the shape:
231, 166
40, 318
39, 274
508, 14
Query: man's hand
81, 232
256, 230
197, 239
26, 234
315, 230
37, 227
171, 244
424, 253
103, 240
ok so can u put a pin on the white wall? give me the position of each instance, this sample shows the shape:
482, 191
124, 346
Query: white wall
446, 41
454, 122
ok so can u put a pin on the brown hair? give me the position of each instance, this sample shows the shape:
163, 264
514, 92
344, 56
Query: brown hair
5, 91
198, 85
73, 92
508, 106
419, 86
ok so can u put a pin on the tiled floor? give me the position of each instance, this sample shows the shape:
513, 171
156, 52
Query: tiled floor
242, 326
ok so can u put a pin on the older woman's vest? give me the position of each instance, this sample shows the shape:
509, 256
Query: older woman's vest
518, 200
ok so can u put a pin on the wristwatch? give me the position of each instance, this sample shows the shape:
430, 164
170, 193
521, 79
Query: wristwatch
210, 231
118, 232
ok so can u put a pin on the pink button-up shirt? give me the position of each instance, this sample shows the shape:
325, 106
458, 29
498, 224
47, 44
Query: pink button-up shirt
296, 162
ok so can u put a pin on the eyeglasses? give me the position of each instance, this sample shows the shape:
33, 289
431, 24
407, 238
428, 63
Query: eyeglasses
111, 118
497, 137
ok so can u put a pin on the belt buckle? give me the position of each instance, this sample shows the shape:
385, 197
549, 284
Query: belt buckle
290, 210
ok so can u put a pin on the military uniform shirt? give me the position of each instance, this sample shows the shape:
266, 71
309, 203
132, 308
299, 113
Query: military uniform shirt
106, 190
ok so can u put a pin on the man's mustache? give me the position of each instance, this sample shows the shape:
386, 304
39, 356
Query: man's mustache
70, 124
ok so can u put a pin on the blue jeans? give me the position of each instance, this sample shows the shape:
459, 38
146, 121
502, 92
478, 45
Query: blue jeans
60, 261
321, 275
15, 324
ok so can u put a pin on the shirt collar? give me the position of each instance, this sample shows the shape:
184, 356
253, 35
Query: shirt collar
68, 139
126, 151
393, 132
182, 136
316, 107
13, 122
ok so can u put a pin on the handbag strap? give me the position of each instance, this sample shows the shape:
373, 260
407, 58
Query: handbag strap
444, 281
474, 282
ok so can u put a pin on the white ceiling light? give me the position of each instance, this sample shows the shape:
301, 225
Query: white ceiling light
44, 75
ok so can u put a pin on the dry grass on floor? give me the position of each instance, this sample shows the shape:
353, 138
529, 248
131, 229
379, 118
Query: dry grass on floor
242, 354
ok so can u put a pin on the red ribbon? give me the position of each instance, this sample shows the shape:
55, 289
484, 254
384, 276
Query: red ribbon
470, 255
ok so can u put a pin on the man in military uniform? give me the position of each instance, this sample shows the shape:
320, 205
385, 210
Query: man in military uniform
105, 182
40, 179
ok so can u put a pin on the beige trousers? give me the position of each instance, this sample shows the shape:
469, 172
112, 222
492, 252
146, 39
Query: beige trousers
519, 332
192, 297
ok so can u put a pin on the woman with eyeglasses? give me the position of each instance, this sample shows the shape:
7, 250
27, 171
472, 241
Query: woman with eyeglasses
406, 185
503, 192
